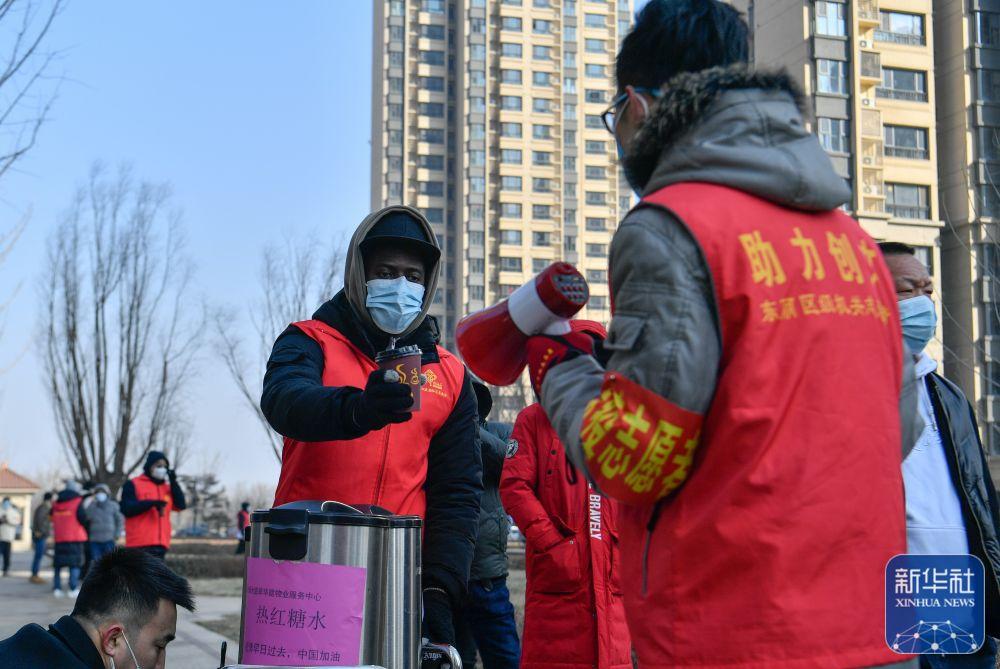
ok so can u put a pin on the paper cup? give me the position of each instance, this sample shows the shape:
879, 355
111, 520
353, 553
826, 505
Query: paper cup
405, 361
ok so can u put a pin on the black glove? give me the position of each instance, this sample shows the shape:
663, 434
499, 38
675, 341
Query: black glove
381, 403
172, 475
438, 624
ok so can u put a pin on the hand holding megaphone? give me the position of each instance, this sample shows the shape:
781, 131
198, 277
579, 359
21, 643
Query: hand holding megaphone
493, 341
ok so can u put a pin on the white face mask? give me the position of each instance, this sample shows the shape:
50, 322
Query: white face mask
101, 497
159, 473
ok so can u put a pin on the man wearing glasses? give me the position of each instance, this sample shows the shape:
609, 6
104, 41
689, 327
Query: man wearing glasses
760, 484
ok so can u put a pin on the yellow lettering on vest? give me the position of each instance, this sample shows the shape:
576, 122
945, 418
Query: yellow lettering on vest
764, 264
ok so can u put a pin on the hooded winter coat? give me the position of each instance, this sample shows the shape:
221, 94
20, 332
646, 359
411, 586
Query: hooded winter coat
145, 524
574, 615
103, 520
300, 405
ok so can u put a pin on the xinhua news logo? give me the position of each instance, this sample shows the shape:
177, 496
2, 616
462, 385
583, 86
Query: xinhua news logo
935, 604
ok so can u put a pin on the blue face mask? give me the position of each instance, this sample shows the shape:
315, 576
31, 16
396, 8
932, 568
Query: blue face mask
394, 303
919, 320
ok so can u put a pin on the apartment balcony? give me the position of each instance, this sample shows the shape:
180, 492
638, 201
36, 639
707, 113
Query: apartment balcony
867, 12
910, 153
871, 67
873, 187
871, 153
908, 211
871, 123
899, 94
906, 39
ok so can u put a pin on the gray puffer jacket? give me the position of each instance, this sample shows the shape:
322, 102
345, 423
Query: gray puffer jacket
490, 560
103, 520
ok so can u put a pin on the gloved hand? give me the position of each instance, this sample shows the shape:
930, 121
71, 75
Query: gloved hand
382, 402
546, 351
438, 624
159, 504
171, 476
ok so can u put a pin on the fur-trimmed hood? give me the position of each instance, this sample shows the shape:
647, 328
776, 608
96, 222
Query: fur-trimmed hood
739, 128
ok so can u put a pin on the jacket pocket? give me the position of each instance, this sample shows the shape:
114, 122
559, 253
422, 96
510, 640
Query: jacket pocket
557, 570
614, 578
625, 332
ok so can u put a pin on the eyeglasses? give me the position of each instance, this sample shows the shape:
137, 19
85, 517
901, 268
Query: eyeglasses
609, 114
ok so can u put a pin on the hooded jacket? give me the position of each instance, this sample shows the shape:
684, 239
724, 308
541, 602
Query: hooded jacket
103, 520
144, 524
300, 407
728, 127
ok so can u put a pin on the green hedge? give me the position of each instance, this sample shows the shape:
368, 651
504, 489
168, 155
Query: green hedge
206, 566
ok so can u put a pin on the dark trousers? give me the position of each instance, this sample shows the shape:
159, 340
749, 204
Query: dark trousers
487, 622
241, 547
155, 551
36, 561
986, 658
99, 549
5, 555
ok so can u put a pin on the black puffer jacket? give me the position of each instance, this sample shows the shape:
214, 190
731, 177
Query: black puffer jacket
490, 560
971, 477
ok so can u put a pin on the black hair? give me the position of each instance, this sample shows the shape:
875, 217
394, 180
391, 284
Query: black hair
127, 584
47, 496
674, 36
6, 499
896, 249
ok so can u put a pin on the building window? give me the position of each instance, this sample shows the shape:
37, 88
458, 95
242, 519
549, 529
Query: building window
541, 26
569, 242
511, 210
395, 189
541, 131
597, 250
395, 111
431, 135
541, 158
432, 32
544, 4
988, 29
477, 104
908, 201
596, 224
593, 146
594, 95
542, 212
510, 76
597, 275
508, 264
540, 185
925, 254
431, 162
569, 189
597, 302
595, 172
434, 214
477, 158
569, 216
569, 84
594, 70
541, 52
541, 105
510, 156
831, 76
477, 265
477, 52
596, 197
989, 144
395, 84
434, 109
395, 136
569, 58
432, 83
512, 237
477, 292
478, 26
397, 8
569, 163
900, 84
594, 45
512, 3
902, 141
569, 136
395, 59
541, 78
593, 121
396, 33
510, 50
477, 131
539, 264
510, 102
569, 8
477, 184
477, 238
430, 188
541, 239
833, 134
569, 112
595, 21
830, 19
395, 163
901, 28
510, 129
510, 183
625, 203
511, 23
477, 78
432, 57
505, 289
989, 85
433, 6
476, 212
569, 34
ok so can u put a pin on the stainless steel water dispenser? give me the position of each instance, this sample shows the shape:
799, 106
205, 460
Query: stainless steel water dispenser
386, 545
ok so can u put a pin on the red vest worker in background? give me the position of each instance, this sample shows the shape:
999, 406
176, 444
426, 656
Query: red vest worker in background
748, 416
350, 433
574, 615
70, 538
147, 501
242, 522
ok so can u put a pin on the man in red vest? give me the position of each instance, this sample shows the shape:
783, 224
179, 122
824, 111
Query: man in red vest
574, 616
748, 414
147, 502
70, 538
242, 522
350, 432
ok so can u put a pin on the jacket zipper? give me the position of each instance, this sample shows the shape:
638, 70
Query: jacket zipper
938, 413
377, 497
650, 526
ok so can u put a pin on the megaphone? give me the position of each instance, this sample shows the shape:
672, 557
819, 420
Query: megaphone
492, 341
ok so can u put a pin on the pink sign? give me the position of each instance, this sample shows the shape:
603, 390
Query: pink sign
302, 613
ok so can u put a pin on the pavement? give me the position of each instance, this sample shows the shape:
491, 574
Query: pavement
194, 648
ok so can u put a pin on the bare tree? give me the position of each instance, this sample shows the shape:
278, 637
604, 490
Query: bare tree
119, 330
294, 279
509, 401
25, 68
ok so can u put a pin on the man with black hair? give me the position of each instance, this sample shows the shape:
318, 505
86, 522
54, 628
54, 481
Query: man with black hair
951, 502
761, 491
147, 502
351, 432
124, 617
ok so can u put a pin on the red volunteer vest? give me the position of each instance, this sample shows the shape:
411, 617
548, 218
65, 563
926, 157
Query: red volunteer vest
150, 528
773, 552
385, 467
65, 527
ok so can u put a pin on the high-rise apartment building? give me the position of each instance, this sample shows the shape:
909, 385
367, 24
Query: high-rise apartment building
486, 116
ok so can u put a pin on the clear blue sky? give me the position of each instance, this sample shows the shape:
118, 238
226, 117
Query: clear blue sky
257, 112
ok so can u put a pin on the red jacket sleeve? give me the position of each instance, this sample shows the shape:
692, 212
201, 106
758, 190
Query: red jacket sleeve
519, 486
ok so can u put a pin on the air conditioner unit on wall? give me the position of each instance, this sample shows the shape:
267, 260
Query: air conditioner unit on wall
867, 161
866, 102
864, 43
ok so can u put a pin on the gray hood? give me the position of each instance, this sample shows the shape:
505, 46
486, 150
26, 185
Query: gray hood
738, 128
355, 286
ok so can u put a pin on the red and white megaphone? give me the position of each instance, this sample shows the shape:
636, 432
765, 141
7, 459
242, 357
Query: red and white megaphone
492, 341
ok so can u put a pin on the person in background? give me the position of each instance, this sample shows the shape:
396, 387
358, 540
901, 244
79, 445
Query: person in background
147, 501
951, 502
10, 521
350, 430
574, 614
242, 522
41, 528
125, 617
103, 520
70, 538
487, 619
